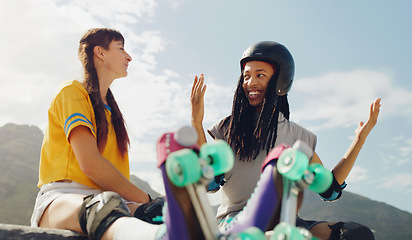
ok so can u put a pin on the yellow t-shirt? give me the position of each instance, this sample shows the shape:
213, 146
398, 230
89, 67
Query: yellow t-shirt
72, 107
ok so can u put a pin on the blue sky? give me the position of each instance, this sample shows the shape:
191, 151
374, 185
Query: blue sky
347, 53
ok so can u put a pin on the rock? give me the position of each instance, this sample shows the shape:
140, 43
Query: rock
20, 232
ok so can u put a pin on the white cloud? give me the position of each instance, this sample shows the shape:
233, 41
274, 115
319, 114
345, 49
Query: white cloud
174, 4
40, 52
142, 152
357, 174
218, 100
406, 149
401, 182
342, 99
125, 11
40, 48
153, 104
398, 138
42, 56
397, 152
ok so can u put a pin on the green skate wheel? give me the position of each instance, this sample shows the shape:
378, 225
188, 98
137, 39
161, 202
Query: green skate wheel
292, 164
284, 231
323, 178
220, 155
183, 167
251, 233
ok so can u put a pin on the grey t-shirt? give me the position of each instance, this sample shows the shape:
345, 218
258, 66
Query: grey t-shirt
242, 179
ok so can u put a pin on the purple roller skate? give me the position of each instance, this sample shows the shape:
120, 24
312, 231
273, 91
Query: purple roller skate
187, 170
263, 208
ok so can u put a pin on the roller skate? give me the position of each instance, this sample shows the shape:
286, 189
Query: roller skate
297, 174
263, 208
187, 170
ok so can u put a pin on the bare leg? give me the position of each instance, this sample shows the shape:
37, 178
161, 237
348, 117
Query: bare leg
63, 212
322, 230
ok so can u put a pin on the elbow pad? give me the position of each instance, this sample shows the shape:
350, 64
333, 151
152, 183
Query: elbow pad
215, 184
334, 192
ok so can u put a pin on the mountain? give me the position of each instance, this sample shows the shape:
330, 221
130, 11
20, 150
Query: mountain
385, 221
19, 162
144, 186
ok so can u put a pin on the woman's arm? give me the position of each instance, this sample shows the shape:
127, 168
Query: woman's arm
343, 168
99, 169
197, 102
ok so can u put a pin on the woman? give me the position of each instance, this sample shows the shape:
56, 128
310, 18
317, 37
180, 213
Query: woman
85, 150
260, 121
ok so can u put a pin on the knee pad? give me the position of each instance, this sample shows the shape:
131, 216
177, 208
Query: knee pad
98, 212
350, 231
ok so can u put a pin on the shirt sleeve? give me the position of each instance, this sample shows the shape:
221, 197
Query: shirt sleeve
304, 135
215, 132
72, 109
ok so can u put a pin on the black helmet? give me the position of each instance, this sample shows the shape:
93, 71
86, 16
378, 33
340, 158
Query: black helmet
277, 55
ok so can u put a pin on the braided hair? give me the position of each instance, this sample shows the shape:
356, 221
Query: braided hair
102, 37
250, 131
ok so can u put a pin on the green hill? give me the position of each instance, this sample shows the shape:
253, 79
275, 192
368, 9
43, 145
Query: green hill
19, 161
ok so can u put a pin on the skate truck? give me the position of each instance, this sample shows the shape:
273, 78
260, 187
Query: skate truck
298, 174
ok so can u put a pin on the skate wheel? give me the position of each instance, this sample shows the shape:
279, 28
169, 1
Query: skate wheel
284, 231
183, 167
292, 164
186, 136
323, 178
251, 233
220, 155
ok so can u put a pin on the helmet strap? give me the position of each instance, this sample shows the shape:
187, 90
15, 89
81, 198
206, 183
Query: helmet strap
275, 100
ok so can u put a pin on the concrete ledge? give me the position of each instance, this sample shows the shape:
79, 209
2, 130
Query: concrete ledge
19, 232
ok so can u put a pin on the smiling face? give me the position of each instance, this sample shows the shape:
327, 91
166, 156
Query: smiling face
256, 77
116, 59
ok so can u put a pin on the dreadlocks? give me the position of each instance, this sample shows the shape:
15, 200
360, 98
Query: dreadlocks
249, 131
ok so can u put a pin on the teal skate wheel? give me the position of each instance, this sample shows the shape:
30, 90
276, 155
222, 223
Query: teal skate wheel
220, 155
292, 164
284, 231
251, 233
323, 178
183, 167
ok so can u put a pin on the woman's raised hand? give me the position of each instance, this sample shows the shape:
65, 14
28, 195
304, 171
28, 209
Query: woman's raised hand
197, 100
363, 130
